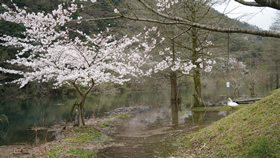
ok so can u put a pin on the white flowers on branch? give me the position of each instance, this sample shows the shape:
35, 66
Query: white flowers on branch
49, 53
165, 4
182, 65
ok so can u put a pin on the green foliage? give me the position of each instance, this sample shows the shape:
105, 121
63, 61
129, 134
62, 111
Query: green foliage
55, 152
60, 151
12, 29
82, 153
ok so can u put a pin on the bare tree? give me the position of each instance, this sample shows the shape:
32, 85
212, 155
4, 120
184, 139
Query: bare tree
129, 12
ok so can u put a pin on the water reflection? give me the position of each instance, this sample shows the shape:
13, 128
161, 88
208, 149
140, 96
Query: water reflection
4, 126
147, 134
198, 117
46, 112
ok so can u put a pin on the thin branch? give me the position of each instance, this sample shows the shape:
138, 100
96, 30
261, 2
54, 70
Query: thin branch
106, 18
81, 54
77, 88
90, 88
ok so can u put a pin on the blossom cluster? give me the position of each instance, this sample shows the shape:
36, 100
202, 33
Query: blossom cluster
182, 65
165, 4
50, 54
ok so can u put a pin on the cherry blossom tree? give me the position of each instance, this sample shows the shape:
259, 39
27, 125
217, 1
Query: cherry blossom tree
49, 54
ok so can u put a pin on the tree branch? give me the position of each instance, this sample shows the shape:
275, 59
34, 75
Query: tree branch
106, 18
80, 91
179, 20
253, 4
90, 88
77, 88
275, 4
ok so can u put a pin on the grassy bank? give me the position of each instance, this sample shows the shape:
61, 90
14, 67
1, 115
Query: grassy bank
78, 142
252, 131
82, 142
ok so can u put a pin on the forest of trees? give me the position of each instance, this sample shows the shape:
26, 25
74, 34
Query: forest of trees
244, 60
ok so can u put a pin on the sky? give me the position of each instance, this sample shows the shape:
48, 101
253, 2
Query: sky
261, 17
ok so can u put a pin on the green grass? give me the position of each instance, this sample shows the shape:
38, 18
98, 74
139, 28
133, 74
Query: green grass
78, 139
82, 153
60, 151
79, 142
251, 131
55, 152
85, 135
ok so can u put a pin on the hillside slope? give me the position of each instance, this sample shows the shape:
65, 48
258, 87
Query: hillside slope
252, 131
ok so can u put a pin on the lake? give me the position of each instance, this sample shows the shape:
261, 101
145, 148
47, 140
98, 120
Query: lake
38, 118
25, 115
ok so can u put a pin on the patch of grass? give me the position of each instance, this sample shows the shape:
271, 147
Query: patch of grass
77, 143
82, 153
86, 135
70, 152
105, 123
251, 131
262, 148
55, 152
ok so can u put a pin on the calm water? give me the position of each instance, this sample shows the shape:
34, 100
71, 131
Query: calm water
46, 113
151, 133
26, 114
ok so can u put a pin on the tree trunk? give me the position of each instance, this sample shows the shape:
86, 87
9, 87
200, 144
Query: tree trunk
81, 107
82, 102
197, 89
252, 89
236, 92
175, 114
196, 72
174, 87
